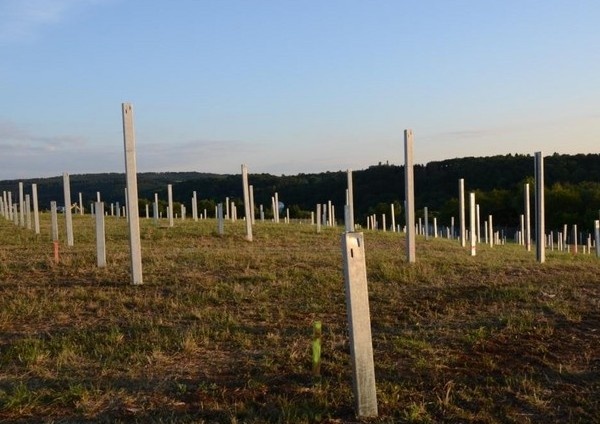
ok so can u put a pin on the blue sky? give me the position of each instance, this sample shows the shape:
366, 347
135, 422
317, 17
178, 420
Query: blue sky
292, 86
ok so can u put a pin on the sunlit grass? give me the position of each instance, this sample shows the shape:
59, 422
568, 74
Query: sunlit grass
221, 329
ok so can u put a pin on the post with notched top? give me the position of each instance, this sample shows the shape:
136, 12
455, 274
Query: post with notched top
359, 322
132, 195
540, 246
409, 192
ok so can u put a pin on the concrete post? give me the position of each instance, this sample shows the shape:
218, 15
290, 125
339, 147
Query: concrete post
80, 204
472, 224
350, 224
540, 227
491, 230
276, 207
527, 218
100, 236
220, 219
28, 211
227, 214
575, 244
426, 219
359, 321
194, 206
247, 205
435, 229
597, 237
461, 210
10, 206
147, 211
68, 217
132, 195
383, 224
393, 214
318, 217
409, 193
252, 214
478, 223
452, 227
54, 220
171, 211
21, 206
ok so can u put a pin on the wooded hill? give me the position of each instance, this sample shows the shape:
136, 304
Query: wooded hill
572, 189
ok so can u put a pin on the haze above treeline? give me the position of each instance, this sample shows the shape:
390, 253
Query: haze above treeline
572, 189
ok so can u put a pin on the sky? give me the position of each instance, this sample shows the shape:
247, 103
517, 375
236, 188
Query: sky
291, 87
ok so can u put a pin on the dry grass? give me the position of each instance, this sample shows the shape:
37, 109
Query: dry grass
221, 329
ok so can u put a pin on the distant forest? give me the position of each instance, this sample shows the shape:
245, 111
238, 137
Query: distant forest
572, 189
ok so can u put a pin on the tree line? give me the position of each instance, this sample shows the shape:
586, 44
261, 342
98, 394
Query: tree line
572, 189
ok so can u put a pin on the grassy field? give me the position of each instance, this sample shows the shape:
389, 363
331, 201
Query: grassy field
221, 330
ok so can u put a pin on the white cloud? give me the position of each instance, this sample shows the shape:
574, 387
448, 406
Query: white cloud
24, 19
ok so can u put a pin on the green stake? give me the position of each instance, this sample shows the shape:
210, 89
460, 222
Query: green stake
316, 349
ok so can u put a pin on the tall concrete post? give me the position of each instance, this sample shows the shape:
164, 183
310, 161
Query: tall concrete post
478, 223
132, 195
350, 224
540, 228
68, 216
472, 224
409, 193
247, 206
28, 211
491, 230
461, 211
527, 235
155, 209
171, 213
220, 219
10, 206
359, 323
393, 214
276, 207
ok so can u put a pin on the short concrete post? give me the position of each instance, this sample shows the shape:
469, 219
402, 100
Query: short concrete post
252, 214
435, 228
540, 227
147, 211
383, 224
409, 193
220, 219
472, 224
287, 215
28, 211
132, 195
155, 209
80, 204
247, 206
262, 213
36, 212
171, 211
491, 230
359, 322
597, 237
227, 214
575, 244
21, 206
318, 218
276, 207
426, 219
393, 214
194, 206
100, 236
10, 206
54, 220
478, 223
461, 211
452, 227
68, 217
